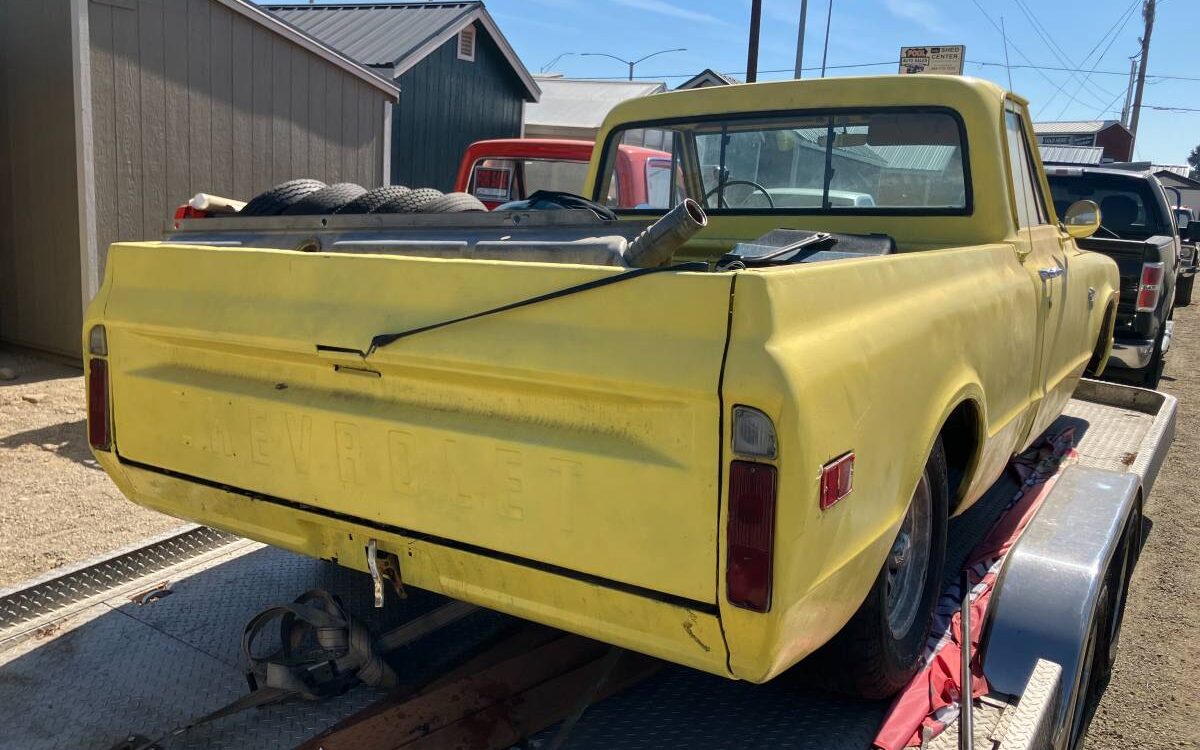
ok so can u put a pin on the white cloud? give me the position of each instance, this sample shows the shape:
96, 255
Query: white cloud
919, 11
669, 9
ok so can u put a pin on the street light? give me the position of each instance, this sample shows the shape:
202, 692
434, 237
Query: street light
550, 64
631, 63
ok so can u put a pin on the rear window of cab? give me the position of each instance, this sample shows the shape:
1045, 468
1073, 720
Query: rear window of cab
884, 161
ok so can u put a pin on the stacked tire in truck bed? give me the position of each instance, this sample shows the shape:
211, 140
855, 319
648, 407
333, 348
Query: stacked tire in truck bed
313, 197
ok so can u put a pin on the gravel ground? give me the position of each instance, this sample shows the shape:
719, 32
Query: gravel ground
56, 505
1152, 701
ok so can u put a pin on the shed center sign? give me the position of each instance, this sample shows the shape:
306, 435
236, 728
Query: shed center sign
938, 60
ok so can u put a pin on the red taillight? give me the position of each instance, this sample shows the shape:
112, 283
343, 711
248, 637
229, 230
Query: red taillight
837, 479
1150, 287
751, 535
99, 424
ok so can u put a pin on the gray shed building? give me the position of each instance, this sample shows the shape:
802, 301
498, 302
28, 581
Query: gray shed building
459, 79
113, 112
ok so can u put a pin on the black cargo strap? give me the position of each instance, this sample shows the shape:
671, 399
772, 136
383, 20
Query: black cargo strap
385, 339
344, 653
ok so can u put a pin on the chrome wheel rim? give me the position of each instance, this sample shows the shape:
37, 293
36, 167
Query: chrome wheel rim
908, 562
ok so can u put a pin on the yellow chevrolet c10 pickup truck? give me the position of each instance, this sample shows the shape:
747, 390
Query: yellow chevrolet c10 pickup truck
727, 461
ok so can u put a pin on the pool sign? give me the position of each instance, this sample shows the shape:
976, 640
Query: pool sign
939, 60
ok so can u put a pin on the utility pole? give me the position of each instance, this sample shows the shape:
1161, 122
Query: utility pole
800, 38
752, 49
1129, 91
1147, 14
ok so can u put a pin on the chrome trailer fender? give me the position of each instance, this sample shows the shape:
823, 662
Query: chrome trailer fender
1046, 603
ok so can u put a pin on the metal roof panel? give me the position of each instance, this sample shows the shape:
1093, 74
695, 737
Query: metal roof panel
376, 34
583, 103
1073, 126
1071, 154
397, 35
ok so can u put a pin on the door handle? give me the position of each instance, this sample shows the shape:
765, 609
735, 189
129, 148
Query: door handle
1051, 273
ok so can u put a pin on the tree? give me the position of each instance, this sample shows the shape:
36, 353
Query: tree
1194, 162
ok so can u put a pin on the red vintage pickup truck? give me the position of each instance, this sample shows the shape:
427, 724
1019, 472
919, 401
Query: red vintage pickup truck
509, 169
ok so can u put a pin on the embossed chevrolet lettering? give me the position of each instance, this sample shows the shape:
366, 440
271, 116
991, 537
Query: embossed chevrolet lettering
440, 472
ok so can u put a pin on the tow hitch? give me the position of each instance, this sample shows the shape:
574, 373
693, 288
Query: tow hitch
384, 565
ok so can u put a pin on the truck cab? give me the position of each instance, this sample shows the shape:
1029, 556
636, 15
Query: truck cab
511, 169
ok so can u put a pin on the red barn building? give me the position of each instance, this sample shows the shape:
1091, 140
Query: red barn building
1111, 135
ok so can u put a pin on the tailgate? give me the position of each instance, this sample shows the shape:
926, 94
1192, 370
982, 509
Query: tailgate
581, 432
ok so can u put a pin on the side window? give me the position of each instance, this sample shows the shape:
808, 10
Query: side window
1031, 206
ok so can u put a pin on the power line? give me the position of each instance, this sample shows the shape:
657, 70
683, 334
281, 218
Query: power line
1108, 107
1016, 49
1082, 70
894, 63
1128, 10
1059, 53
1120, 26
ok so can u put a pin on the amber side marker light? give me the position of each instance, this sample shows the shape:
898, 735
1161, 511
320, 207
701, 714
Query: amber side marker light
99, 419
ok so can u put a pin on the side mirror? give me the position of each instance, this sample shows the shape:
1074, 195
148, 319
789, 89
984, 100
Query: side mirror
1192, 232
1082, 219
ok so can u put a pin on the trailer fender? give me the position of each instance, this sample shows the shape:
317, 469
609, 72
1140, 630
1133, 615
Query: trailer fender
1046, 601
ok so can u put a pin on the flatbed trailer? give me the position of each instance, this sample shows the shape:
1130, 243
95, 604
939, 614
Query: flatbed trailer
145, 640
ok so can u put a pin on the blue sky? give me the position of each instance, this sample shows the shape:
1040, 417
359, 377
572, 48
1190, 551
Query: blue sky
872, 31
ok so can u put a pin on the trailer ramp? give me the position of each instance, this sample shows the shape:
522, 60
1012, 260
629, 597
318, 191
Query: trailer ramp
103, 651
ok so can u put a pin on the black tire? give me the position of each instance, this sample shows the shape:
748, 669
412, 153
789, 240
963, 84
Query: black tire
454, 203
327, 200
411, 202
278, 199
1150, 375
1093, 672
869, 657
371, 200
1119, 576
1183, 291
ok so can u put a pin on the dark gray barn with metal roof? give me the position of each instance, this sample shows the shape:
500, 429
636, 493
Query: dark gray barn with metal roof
459, 79
113, 112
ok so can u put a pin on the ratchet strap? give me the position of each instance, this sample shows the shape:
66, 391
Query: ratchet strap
323, 652
343, 652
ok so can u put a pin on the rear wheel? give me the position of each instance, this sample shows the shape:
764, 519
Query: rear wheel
1093, 671
1183, 291
1150, 375
880, 649
1119, 575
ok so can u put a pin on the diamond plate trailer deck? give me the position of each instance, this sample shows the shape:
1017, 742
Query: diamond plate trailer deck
87, 657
